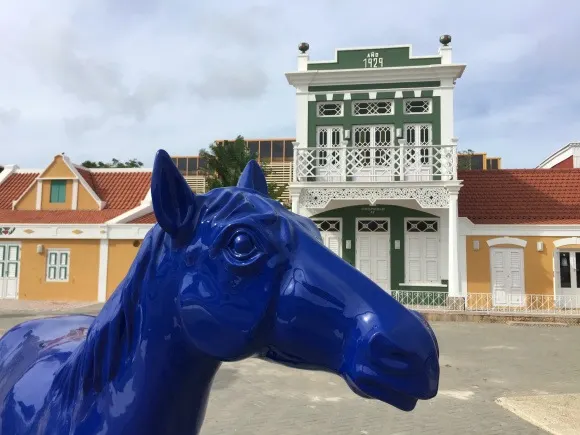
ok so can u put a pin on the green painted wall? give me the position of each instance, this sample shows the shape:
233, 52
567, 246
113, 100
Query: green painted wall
398, 118
373, 86
396, 217
375, 58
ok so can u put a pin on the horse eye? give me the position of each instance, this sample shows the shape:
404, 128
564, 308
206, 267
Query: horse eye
242, 245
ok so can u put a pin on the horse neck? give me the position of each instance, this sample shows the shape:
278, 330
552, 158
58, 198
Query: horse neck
135, 339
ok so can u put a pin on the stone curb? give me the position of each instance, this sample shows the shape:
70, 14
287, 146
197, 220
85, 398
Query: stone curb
510, 319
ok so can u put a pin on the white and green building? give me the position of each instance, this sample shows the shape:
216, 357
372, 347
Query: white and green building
375, 162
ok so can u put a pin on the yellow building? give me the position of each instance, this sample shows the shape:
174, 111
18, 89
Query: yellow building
519, 236
67, 232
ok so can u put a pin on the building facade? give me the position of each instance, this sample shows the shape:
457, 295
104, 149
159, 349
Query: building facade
376, 162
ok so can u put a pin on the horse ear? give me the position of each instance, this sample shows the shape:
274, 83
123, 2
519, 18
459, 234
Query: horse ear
174, 202
253, 178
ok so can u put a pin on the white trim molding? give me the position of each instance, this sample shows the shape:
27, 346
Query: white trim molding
39, 194
145, 208
75, 195
468, 228
569, 150
83, 182
507, 241
103, 270
567, 241
7, 172
76, 231
374, 75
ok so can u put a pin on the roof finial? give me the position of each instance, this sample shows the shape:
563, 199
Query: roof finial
303, 47
445, 40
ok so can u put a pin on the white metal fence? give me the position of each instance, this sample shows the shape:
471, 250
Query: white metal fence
488, 303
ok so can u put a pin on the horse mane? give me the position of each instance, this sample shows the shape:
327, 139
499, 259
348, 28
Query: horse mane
115, 332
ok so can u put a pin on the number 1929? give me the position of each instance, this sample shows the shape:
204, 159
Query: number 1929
373, 62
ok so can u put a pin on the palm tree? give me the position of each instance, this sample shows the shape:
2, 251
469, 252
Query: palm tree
224, 163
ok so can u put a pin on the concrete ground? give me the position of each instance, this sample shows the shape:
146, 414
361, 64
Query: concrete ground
523, 366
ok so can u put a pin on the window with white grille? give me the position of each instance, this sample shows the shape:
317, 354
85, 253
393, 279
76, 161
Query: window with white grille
369, 140
57, 265
422, 251
326, 139
372, 226
326, 109
327, 224
373, 107
418, 105
418, 135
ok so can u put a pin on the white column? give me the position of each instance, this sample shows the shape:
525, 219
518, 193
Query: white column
75, 194
39, 194
302, 116
453, 262
445, 93
295, 199
103, 270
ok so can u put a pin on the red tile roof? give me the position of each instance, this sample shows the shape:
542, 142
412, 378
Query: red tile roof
147, 219
58, 216
13, 187
121, 190
521, 196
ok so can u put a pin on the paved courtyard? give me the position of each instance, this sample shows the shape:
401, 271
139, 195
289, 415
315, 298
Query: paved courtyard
479, 364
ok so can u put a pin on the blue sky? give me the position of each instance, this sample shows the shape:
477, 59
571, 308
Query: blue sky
122, 78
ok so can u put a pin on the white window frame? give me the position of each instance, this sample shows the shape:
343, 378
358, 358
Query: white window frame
320, 103
423, 281
58, 266
390, 113
315, 220
428, 99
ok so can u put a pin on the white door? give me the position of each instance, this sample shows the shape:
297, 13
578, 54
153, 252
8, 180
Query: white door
422, 258
418, 161
331, 233
568, 279
507, 276
373, 251
9, 270
328, 141
372, 155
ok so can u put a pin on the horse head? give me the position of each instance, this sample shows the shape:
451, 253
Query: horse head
255, 279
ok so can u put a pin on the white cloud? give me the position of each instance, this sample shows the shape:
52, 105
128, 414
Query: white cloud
120, 78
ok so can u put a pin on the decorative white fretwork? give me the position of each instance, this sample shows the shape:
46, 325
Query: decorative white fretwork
417, 105
376, 107
331, 225
426, 197
330, 109
422, 226
372, 226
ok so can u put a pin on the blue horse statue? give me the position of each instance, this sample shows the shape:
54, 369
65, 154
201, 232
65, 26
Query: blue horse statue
221, 277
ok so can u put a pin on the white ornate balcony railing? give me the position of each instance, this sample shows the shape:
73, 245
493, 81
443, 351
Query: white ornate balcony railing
376, 164
489, 303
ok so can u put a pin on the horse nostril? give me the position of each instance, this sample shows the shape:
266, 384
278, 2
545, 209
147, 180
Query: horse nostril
386, 355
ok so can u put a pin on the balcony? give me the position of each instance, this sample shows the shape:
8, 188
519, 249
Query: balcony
381, 164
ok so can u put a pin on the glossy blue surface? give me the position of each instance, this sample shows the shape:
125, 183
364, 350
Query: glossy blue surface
222, 277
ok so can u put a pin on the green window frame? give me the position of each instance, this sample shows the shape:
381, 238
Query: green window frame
57, 191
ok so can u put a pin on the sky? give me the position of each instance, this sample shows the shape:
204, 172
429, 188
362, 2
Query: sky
122, 78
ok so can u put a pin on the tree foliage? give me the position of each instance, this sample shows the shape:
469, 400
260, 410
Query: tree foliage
114, 163
464, 159
225, 162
